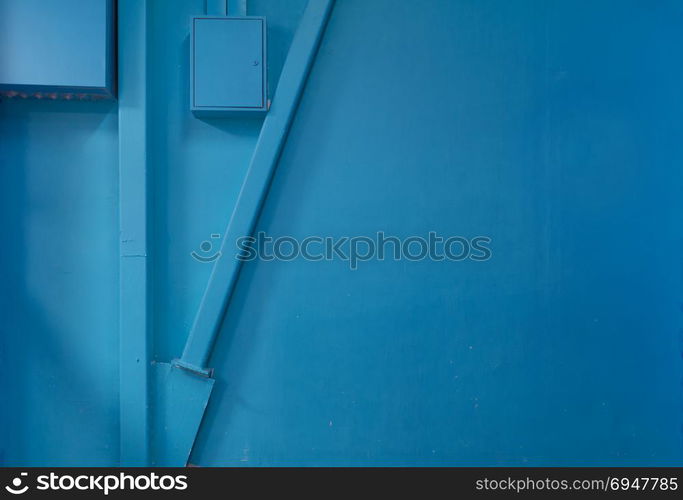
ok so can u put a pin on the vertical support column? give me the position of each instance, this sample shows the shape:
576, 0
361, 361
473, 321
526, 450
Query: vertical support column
133, 265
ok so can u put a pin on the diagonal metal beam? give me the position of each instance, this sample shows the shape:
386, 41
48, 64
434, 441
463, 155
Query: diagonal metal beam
183, 387
255, 187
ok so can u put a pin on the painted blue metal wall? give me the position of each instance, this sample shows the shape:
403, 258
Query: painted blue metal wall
552, 127
59, 283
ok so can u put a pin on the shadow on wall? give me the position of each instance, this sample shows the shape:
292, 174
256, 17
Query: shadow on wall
59, 292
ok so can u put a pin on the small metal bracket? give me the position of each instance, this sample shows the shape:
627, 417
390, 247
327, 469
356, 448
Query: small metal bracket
196, 370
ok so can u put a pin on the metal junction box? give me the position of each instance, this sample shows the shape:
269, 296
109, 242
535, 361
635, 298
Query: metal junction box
228, 65
58, 49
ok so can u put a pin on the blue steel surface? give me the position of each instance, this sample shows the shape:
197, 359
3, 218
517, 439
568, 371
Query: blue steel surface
228, 64
177, 407
216, 7
59, 374
57, 45
59, 285
552, 127
237, 8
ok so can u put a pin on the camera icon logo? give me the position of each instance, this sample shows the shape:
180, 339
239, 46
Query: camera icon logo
15, 488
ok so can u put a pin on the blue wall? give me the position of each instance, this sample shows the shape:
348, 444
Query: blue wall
552, 127
537, 123
59, 264
59, 294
